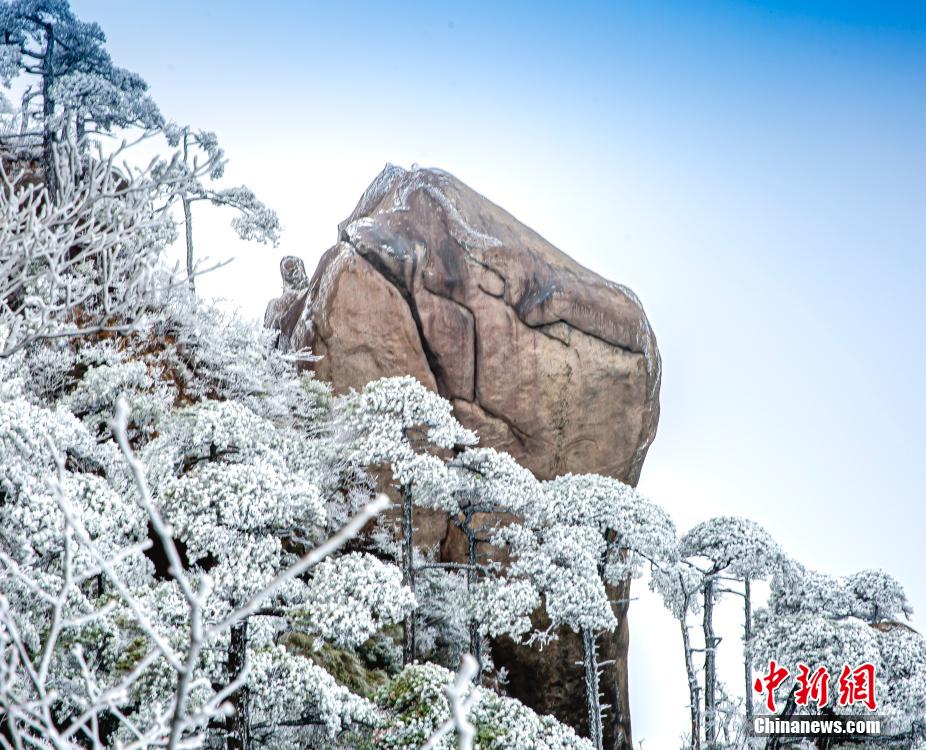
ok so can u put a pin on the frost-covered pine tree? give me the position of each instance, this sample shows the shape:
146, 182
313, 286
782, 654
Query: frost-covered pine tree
727, 549
71, 86
580, 535
484, 483
185, 182
398, 424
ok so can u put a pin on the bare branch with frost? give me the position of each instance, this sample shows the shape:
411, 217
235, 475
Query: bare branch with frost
88, 259
461, 696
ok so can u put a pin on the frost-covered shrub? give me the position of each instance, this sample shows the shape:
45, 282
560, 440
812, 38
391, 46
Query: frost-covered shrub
798, 590
83, 258
445, 612
352, 597
417, 704
876, 596
504, 607
678, 583
94, 397
286, 686
217, 507
489, 480
216, 354
562, 563
27, 433
902, 691
38, 372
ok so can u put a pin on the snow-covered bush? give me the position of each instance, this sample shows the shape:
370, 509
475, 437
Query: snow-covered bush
417, 704
287, 687
393, 420
352, 598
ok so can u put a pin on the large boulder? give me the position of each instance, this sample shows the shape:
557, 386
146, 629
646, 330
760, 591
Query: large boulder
543, 358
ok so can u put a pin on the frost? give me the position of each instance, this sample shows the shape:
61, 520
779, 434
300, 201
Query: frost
286, 685
417, 700
735, 545
353, 597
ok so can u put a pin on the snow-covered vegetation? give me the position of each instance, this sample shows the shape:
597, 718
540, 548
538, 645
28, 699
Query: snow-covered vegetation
192, 549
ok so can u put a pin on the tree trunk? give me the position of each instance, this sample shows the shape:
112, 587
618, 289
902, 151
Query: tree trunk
747, 650
408, 646
238, 725
710, 668
188, 225
475, 638
694, 700
48, 113
592, 689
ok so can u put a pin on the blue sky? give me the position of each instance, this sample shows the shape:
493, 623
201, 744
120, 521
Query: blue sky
756, 172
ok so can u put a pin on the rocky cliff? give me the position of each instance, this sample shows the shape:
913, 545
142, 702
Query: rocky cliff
545, 359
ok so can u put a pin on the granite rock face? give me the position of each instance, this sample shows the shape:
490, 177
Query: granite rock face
543, 358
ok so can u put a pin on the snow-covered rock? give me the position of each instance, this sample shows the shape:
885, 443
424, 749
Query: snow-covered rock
542, 357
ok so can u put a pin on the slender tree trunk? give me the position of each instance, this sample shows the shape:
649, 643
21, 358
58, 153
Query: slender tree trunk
80, 166
408, 648
710, 668
592, 688
615, 688
694, 700
475, 639
188, 225
48, 113
188, 216
747, 650
238, 725
617, 729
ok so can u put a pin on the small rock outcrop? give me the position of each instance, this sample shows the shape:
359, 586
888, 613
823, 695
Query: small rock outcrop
544, 358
